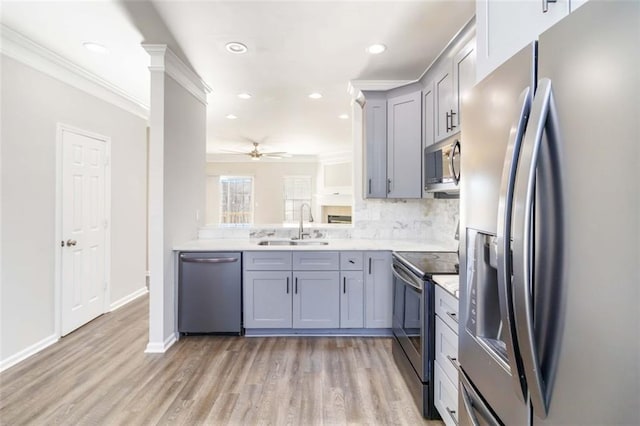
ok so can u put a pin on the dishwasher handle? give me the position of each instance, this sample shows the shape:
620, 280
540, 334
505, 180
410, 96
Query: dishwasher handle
208, 260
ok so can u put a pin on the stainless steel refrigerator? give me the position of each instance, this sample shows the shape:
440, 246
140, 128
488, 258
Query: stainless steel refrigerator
550, 233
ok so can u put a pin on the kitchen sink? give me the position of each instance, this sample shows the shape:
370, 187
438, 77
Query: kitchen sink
292, 243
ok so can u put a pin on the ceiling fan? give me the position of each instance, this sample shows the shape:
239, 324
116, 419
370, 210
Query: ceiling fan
256, 154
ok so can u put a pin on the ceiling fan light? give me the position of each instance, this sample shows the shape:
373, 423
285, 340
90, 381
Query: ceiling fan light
255, 158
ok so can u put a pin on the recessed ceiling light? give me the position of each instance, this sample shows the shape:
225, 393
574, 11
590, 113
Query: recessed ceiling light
235, 47
231, 117
95, 47
244, 96
376, 49
343, 116
315, 95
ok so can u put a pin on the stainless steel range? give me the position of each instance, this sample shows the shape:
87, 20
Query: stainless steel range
413, 320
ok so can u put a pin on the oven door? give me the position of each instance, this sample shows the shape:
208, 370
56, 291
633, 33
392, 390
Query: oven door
408, 317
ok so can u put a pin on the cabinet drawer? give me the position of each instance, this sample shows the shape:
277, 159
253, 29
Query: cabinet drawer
266, 260
447, 308
351, 260
446, 349
445, 397
316, 261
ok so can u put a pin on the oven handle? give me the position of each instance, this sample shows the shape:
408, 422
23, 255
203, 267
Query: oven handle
404, 275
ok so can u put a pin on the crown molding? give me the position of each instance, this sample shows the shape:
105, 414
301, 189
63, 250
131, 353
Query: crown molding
28, 52
163, 59
356, 87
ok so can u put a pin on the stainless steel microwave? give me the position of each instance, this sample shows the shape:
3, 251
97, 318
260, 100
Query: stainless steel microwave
442, 166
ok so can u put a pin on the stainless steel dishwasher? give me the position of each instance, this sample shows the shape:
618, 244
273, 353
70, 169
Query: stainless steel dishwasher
210, 293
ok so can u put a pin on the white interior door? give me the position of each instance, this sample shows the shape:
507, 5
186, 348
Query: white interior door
84, 224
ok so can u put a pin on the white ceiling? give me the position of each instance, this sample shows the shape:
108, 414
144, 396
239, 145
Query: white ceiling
295, 48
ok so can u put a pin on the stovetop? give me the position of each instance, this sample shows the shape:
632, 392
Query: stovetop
427, 263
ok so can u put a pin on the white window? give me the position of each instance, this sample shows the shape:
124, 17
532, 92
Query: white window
297, 190
236, 201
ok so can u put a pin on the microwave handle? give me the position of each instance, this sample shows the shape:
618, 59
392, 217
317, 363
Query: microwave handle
454, 174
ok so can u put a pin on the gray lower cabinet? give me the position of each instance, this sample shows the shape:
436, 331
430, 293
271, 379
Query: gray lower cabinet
316, 299
267, 299
347, 290
378, 290
351, 299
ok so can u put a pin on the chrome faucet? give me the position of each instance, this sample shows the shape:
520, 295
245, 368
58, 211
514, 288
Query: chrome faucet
301, 232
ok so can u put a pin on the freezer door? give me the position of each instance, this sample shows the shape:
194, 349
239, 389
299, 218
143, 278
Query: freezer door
592, 61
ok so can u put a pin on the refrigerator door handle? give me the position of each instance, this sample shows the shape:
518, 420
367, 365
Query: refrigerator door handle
473, 403
542, 118
503, 240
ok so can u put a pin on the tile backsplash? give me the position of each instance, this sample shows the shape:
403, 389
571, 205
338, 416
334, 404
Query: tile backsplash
432, 220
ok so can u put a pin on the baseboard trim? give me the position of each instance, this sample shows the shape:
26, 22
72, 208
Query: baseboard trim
321, 332
27, 352
131, 297
160, 348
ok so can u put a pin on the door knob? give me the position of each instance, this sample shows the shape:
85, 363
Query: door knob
71, 243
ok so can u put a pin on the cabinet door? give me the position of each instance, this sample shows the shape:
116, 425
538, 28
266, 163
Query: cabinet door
428, 115
351, 299
267, 299
505, 27
444, 101
464, 73
375, 145
404, 146
316, 299
378, 290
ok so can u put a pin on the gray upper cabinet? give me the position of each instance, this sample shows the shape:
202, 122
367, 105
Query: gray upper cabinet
375, 137
428, 115
505, 27
444, 102
464, 75
404, 146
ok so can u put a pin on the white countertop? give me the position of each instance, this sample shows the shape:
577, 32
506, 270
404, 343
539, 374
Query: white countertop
334, 244
451, 283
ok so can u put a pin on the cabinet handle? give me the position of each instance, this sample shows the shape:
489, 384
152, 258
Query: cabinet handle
287, 285
369, 266
545, 5
296, 291
448, 117
344, 285
388, 186
453, 361
452, 114
369, 187
453, 316
452, 414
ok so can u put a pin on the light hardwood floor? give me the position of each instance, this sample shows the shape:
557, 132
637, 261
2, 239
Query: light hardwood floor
100, 375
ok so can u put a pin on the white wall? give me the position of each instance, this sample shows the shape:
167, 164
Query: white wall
184, 179
31, 105
177, 155
268, 186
